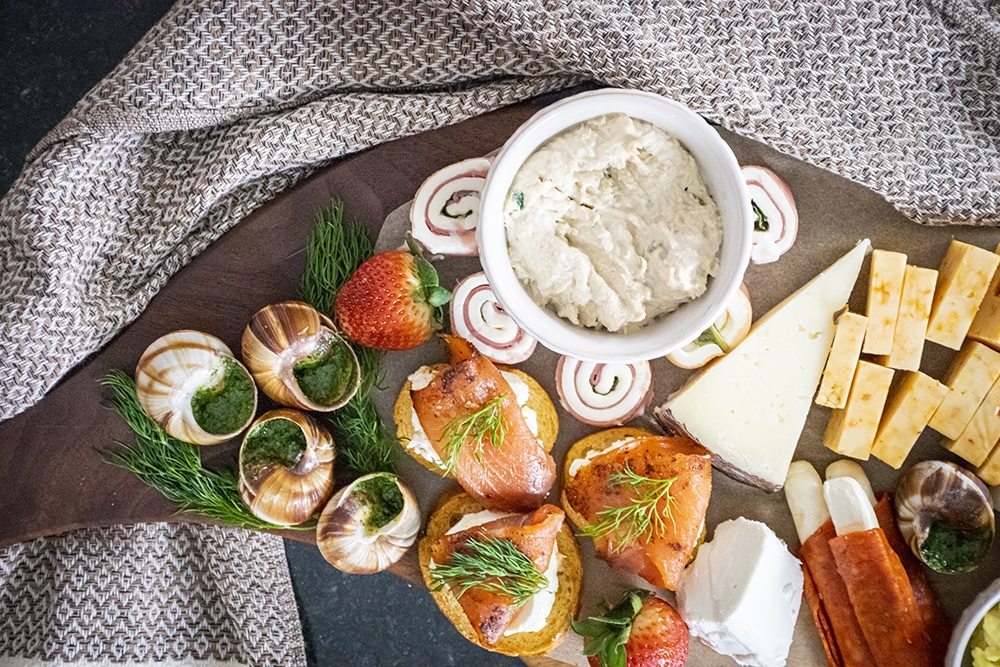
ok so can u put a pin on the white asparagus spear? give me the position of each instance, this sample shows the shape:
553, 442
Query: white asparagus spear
849, 506
848, 468
804, 495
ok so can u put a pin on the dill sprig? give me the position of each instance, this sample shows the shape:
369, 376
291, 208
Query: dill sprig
494, 565
486, 423
336, 249
642, 518
173, 467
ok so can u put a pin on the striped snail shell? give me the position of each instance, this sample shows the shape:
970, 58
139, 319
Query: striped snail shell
368, 525
299, 359
286, 467
189, 383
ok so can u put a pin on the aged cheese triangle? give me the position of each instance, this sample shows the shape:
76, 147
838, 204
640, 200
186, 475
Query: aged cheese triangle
749, 407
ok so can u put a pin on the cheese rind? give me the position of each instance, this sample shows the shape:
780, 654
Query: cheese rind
749, 406
909, 408
963, 279
989, 472
741, 595
885, 288
851, 430
972, 373
986, 325
844, 355
982, 432
911, 324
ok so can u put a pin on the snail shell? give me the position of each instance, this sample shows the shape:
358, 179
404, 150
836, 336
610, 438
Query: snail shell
170, 374
349, 540
946, 516
280, 345
281, 480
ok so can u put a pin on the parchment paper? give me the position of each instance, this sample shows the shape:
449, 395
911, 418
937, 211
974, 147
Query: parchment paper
834, 214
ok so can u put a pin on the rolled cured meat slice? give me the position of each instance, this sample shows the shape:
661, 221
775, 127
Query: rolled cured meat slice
726, 332
776, 219
478, 317
445, 210
604, 394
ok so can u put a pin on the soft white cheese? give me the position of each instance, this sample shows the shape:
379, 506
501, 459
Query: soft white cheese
421, 444
533, 613
741, 595
575, 466
750, 406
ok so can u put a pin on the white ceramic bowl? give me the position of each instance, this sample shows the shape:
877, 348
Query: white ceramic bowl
721, 174
967, 624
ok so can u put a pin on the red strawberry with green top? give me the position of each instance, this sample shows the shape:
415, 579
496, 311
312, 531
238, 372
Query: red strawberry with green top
641, 631
393, 301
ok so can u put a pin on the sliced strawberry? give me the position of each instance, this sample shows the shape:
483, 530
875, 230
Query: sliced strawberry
641, 631
392, 302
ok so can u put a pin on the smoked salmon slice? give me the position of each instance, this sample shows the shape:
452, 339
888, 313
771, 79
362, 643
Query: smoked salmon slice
514, 476
659, 556
533, 534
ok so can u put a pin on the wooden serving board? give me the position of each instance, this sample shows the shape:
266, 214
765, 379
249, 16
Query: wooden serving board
52, 478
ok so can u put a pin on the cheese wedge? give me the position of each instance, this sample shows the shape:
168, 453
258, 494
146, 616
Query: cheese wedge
749, 406
843, 360
963, 279
907, 412
851, 430
885, 289
982, 432
972, 373
986, 325
911, 324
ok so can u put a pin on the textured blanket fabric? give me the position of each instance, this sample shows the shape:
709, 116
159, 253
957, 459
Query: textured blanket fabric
163, 594
224, 104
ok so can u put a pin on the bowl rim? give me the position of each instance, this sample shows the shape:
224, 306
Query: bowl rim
967, 623
544, 325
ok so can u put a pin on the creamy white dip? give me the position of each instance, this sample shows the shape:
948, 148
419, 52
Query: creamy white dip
610, 224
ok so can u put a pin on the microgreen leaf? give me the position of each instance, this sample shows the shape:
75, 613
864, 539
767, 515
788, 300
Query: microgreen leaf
490, 564
712, 336
642, 518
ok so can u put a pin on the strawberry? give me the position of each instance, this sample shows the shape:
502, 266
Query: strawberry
641, 631
393, 301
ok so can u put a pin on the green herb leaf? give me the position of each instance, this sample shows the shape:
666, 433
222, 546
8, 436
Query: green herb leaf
490, 564
760, 223
486, 423
518, 198
642, 518
712, 336
335, 250
607, 634
173, 467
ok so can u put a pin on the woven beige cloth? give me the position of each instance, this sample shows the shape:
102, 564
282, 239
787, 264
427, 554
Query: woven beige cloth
155, 594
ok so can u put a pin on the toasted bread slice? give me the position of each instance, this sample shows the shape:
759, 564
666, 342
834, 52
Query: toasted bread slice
567, 603
538, 400
596, 442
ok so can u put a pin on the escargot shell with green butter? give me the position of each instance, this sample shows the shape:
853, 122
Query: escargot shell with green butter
945, 513
286, 467
368, 525
299, 359
189, 383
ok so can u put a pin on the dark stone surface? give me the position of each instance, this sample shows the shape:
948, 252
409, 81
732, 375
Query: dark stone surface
51, 53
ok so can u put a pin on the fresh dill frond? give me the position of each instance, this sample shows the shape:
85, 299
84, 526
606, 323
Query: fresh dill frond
173, 467
486, 423
335, 250
642, 518
494, 565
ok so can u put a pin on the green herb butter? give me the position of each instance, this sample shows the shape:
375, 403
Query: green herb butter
278, 441
950, 550
326, 375
225, 406
383, 498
